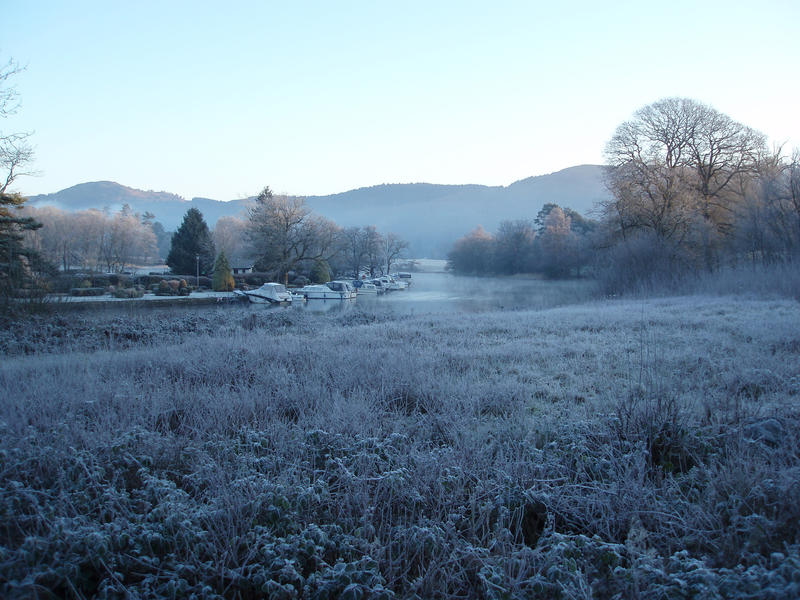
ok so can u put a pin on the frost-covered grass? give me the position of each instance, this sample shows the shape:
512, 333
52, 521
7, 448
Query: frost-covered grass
630, 449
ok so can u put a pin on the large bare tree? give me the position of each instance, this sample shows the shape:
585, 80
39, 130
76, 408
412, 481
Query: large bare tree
675, 170
394, 247
16, 153
354, 248
283, 233
230, 236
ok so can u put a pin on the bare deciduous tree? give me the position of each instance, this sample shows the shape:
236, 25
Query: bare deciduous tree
393, 248
92, 239
514, 246
230, 236
354, 248
15, 150
283, 232
472, 254
18, 263
674, 169
373, 242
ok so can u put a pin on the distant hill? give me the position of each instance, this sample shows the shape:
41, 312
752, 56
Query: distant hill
168, 208
430, 216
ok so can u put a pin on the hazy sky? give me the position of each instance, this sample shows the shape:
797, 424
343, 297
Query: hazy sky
220, 99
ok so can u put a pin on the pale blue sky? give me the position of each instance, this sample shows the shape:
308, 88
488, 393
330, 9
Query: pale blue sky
220, 99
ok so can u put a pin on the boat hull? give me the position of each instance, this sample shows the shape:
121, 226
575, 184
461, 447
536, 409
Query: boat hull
267, 294
334, 290
329, 295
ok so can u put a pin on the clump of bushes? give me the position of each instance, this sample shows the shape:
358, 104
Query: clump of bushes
128, 293
100, 281
63, 284
147, 280
87, 291
172, 287
119, 280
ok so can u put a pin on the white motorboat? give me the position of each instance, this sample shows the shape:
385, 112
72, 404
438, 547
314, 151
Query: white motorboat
269, 293
382, 289
333, 290
390, 283
367, 287
403, 276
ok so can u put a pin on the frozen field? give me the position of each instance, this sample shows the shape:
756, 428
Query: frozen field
639, 448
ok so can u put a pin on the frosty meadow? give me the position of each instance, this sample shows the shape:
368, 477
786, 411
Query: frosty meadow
606, 448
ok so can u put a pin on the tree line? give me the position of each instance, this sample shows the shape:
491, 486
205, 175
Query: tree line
282, 235
557, 242
691, 191
95, 240
278, 235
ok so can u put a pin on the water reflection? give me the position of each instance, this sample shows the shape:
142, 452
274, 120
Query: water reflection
445, 292
324, 306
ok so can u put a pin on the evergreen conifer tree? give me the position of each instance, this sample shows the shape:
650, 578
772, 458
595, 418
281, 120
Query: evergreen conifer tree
223, 278
192, 238
17, 262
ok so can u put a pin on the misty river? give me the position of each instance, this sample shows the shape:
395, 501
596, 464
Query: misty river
446, 292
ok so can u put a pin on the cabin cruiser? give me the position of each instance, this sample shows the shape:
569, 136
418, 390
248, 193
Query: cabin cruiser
365, 287
390, 283
382, 289
269, 293
333, 290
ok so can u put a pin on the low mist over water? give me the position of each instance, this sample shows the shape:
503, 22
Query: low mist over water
445, 292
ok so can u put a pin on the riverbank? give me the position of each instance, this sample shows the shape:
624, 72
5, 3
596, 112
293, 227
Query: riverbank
88, 303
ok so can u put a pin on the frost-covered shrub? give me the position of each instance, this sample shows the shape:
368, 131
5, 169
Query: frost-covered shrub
101, 280
120, 280
62, 284
128, 293
87, 291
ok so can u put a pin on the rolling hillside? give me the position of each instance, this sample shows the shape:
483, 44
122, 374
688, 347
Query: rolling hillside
430, 216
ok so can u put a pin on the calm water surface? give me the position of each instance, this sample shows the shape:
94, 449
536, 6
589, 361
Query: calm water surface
445, 292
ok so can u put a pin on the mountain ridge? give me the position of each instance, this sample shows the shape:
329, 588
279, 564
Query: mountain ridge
430, 216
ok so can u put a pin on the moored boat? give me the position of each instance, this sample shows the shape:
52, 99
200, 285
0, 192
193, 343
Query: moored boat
269, 293
365, 287
333, 290
391, 284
